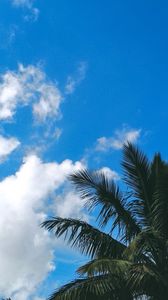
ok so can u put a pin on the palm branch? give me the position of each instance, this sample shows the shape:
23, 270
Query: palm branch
135, 263
97, 189
86, 238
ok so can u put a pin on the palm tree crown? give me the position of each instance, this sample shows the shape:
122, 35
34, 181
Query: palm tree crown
135, 264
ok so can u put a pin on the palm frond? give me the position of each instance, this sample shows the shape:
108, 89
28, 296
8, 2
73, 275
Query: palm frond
103, 287
105, 266
146, 247
86, 238
136, 168
98, 190
135, 264
144, 279
159, 180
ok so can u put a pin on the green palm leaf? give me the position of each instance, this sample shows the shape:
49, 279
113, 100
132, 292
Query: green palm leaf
159, 180
105, 266
146, 247
97, 189
88, 239
134, 265
145, 279
102, 287
136, 168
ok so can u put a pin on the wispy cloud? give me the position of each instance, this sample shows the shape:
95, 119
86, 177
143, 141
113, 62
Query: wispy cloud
74, 80
12, 34
29, 86
33, 12
27, 3
120, 137
7, 145
8, 35
57, 134
33, 16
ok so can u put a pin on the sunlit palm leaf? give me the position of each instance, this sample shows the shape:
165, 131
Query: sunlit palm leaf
105, 266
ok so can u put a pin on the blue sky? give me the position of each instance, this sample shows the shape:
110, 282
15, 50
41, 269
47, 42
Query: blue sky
77, 80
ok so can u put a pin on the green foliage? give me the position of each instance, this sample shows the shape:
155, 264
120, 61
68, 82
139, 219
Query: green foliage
136, 263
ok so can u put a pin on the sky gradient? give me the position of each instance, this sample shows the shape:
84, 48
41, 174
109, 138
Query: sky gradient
77, 80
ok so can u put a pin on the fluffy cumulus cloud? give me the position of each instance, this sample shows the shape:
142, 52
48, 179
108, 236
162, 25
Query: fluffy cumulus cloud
116, 142
29, 85
70, 205
7, 145
26, 252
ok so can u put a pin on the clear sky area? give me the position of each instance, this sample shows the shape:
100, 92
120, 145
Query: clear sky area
77, 80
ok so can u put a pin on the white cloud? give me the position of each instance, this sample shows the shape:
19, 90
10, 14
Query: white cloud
70, 205
57, 134
26, 252
27, 3
110, 173
52, 132
33, 16
33, 11
11, 35
120, 137
7, 145
74, 81
29, 85
8, 35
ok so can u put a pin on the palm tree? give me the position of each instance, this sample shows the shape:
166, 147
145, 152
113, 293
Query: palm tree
129, 259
